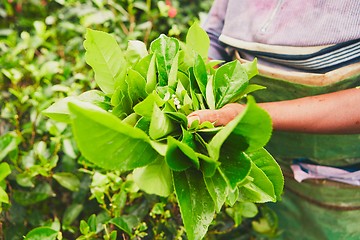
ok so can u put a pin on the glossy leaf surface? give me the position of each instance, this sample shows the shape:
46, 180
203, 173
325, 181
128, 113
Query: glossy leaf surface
218, 189
229, 81
160, 124
165, 50
104, 140
67, 180
198, 40
42, 233
263, 160
196, 205
105, 56
180, 156
154, 178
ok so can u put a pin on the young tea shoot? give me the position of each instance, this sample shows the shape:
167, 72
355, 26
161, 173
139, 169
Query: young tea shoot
136, 122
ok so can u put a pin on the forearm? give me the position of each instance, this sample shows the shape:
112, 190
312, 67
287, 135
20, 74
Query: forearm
332, 113
336, 112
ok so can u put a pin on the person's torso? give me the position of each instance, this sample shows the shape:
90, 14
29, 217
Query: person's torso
293, 22
311, 36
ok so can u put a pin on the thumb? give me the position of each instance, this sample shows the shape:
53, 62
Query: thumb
192, 118
203, 115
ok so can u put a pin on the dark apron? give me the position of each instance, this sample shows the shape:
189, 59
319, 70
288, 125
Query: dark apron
313, 209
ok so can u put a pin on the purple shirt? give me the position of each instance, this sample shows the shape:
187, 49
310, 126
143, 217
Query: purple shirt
295, 23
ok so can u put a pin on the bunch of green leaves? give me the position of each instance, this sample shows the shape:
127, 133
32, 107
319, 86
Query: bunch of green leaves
42, 182
137, 122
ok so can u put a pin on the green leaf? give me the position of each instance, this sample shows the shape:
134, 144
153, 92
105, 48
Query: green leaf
208, 165
8, 143
235, 214
154, 178
4, 198
95, 97
178, 117
232, 197
180, 156
255, 125
180, 90
135, 51
194, 88
218, 189
223, 135
106, 58
260, 189
196, 205
99, 17
144, 124
235, 165
188, 138
145, 108
41, 192
67, 180
25, 179
186, 57
240, 210
122, 224
193, 85
264, 161
92, 222
262, 226
107, 142
59, 110
200, 74
268, 223
165, 50
84, 227
121, 100
198, 40
249, 209
68, 148
210, 98
136, 87
230, 80
151, 76
172, 78
252, 88
251, 68
183, 78
72, 212
160, 125
251, 130
142, 66
42, 233
4, 170
113, 235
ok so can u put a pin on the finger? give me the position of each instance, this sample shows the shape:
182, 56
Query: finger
192, 119
201, 116
207, 115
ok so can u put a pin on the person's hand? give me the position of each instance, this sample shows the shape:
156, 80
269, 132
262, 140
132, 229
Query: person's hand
219, 117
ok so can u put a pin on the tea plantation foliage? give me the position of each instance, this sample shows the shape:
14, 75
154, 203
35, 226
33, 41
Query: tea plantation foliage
48, 190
